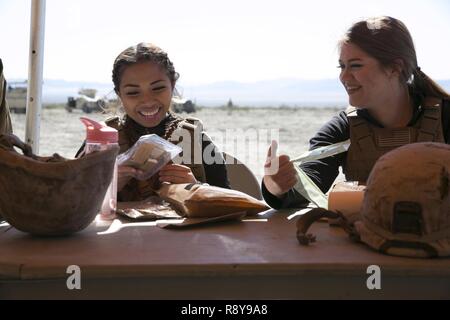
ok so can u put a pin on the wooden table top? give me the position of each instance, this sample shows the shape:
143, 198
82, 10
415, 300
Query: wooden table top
263, 246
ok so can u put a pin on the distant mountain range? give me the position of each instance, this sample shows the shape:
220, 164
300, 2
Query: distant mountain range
289, 92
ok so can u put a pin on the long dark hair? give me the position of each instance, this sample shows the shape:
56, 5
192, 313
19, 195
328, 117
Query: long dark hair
139, 53
388, 40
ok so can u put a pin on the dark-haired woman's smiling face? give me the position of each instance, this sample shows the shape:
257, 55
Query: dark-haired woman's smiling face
146, 93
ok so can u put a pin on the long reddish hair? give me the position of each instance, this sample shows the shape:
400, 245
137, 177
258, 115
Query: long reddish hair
388, 40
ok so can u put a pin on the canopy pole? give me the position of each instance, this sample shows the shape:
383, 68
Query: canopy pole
35, 74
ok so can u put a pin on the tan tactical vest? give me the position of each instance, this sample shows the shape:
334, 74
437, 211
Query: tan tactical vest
369, 142
191, 155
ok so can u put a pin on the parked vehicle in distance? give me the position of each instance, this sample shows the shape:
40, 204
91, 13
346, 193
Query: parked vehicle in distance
180, 105
16, 95
87, 101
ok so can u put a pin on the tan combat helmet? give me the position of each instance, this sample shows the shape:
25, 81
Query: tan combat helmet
51, 196
406, 206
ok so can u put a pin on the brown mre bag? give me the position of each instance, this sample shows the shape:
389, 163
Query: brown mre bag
200, 200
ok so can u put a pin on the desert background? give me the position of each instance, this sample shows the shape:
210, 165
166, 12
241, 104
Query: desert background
63, 133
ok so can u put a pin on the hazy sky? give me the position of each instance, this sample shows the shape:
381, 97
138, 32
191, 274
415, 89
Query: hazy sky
208, 41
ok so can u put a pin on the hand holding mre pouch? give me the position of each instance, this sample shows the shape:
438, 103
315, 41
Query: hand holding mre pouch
200, 201
149, 154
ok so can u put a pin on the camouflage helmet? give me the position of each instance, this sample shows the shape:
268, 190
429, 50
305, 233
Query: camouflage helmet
51, 195
406, 206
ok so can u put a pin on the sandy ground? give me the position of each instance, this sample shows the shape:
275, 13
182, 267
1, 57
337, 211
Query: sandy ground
245, 133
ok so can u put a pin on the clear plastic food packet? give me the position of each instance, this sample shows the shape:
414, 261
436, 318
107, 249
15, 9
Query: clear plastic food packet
149, 154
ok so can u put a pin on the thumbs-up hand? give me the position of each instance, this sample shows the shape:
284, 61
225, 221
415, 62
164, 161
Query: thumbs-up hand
279, 172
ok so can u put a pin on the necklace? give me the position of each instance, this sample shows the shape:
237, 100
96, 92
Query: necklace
165, 129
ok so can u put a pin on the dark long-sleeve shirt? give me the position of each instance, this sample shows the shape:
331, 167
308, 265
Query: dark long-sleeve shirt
324, 172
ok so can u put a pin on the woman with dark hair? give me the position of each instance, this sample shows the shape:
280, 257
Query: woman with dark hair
144, 79
392, 103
